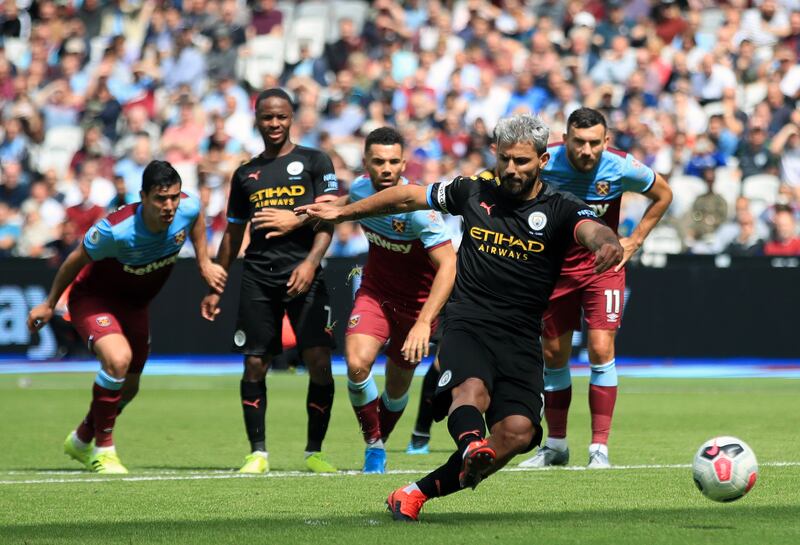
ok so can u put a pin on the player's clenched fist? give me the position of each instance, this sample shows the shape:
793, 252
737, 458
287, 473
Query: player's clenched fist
39, 316
607, 256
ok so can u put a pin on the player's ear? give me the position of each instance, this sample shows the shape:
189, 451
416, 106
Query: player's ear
544, 158
493, 148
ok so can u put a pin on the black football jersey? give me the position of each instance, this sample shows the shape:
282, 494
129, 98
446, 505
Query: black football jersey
297, 178
511, 252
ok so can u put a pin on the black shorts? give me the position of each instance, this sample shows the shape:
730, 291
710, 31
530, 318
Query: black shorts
510, 365
259, 324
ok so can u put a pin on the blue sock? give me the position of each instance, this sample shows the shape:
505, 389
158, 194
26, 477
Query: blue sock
557, 379
395, 405
604, 375
108, 382
362, 393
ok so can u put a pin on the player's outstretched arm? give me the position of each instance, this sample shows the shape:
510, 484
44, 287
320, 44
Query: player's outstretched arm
393, 200
42, 313
214, 275
602, 241
660, 196
278, 222
417, 343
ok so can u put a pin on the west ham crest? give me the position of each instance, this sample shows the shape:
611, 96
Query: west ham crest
602, 188
398, 226
180, 237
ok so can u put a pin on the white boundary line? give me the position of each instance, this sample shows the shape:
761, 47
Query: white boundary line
176, 475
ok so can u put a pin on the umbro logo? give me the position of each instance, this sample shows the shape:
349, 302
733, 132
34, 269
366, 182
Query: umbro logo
487, 207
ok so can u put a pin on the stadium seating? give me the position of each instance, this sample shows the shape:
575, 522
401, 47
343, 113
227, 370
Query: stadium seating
310, 30
685, 189
762, 190
265, 57
57, 150
728, 186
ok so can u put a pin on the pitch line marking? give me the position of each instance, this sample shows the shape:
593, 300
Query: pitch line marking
174, 475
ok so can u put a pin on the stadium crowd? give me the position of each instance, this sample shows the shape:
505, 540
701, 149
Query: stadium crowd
703, 92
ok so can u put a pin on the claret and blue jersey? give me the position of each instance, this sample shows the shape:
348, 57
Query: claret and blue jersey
601, 188
399, 246
129, 261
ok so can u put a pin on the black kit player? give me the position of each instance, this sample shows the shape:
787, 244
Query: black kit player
281, 275
516, 232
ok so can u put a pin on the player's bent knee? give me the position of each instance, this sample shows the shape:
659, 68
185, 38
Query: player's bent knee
255, 367
118, 363
514, 439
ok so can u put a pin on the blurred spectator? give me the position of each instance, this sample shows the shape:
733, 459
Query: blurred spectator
14, 146
712, 78
707, 213
36, 234
705, 157
266, 18
747, 241
786, 144
49, 210
12, 192
131, 167
10, 231
348, 241
754, 154
784, 240
732, 232
85, 214
223, 56
187, 65
338, 53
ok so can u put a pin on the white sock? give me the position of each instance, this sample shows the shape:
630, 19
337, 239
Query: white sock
594, 447
310, 452
559, 444
411, 488
261, 453
103, 450
376, 444
77, 442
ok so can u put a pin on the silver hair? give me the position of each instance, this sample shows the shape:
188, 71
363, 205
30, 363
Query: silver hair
522, 128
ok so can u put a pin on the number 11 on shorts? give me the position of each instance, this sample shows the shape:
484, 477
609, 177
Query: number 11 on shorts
612, 301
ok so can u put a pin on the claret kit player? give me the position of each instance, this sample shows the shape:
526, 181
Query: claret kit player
121, 265
585, 167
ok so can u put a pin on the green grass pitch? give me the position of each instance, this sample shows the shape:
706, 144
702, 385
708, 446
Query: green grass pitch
183, 435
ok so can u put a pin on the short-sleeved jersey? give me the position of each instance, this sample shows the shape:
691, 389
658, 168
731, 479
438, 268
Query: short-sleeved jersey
398, 264
300, 177
602, 188
130, 263
511, 253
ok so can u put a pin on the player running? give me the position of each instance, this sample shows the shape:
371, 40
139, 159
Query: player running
517, 230
121, 265
281, 275
583, 166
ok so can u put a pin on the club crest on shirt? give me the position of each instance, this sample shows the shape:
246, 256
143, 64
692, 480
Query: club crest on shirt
294, 168
180, 237
537, 221
602, 187
398, 226
353, 322
103, 321
94, 235
444, 380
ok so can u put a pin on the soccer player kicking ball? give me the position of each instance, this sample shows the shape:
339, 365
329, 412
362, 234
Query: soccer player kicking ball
583, 166
281, 275
516, 231
121, 265
409, 274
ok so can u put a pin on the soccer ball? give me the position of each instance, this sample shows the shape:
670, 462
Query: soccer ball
725, 469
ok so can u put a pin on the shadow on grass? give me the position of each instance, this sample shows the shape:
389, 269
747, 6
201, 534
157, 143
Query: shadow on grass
620, 525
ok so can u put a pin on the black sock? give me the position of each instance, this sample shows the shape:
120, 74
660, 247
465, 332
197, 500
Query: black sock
466, 425
254, 406
318, 407
442, 480
425, 414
